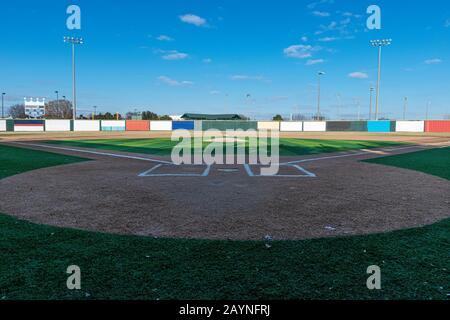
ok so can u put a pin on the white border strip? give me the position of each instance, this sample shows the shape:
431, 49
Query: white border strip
114, 155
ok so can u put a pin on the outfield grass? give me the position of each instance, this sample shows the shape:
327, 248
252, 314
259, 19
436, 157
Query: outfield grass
435, 162
33, 261
288, 147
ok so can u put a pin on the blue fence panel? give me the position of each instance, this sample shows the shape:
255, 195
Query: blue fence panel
379, 126
183, 125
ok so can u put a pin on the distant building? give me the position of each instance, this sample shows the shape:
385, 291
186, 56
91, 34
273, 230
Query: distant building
176, 118
34, 109
223, 117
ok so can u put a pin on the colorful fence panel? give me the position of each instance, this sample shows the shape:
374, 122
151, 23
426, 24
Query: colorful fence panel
230, 125
29, 125
113, 125
410, 126
10, 125
198, 125
295, 126
160, 125
314, 126
343, 126
183, 125
137, 125
2, 125
86, 125
269, 125
437, 126
379, 126
57, 125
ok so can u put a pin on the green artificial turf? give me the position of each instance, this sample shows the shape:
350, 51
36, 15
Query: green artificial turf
16, 160
288, 147
34, 259
435, 162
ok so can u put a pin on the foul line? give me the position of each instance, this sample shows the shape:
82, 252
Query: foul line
114, 155
348, 155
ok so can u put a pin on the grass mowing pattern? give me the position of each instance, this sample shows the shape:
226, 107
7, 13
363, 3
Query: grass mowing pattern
435, 162
288, 147
415, 265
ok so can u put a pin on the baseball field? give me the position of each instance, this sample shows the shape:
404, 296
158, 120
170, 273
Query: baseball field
140, 227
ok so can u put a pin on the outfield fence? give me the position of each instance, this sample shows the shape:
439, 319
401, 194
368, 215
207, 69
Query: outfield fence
384, 126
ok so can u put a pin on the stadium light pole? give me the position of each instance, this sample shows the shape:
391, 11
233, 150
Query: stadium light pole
3, 105
57, 98
379, 44
319, 74
371, 102
338, 96
405, 106
74, 41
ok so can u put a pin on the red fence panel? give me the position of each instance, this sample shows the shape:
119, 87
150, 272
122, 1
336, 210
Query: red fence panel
437, 126
138, 125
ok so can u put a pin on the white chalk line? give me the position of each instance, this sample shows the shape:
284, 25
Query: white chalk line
351, 155
114, 155
149, 173
307, 174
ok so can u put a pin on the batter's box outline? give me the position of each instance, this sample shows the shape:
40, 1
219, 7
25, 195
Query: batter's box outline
151, 172
305, 173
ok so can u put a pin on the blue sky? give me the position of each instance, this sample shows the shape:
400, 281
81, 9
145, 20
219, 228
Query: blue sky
178, 56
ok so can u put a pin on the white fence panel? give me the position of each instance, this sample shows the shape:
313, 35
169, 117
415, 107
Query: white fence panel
86, 125
410, 126
2, 125
291, 126
160, 125
314, 126
57, 125
269, 125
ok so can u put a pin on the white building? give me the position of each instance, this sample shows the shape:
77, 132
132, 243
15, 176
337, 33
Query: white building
34, 108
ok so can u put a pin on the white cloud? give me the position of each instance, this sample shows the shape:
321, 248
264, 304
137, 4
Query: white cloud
164, 38
312, 62
328, 39
299, 51
313, 5
174, 55
208, 60
214, 92
193, 19
358, 75
433, 61
240, 77
447, 23
321, 13
304, 39
173, 82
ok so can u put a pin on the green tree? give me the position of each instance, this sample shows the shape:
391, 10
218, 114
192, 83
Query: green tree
278, 118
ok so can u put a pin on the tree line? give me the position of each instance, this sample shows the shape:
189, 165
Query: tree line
63, 109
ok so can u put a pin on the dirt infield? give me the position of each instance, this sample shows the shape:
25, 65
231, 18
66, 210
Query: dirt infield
345, 196
418, 138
